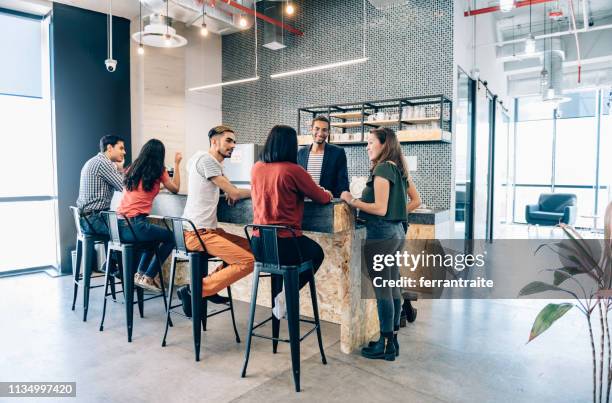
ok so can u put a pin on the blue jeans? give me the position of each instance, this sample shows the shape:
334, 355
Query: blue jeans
148, 232
385, 237
98, 225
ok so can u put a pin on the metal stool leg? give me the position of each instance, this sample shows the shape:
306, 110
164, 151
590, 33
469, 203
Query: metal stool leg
109, 256
113, 288
88, 258
293, 319
251, 319
170, 291
140, 301
128, 258
164, 296
231, 302
106, 284
77, 270
276, 286
315, 309
195, 263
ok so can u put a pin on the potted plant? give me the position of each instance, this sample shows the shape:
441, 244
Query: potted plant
580, 260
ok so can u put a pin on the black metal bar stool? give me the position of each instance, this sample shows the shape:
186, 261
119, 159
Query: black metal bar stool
85, 244
129, 260
269, 263
198, 267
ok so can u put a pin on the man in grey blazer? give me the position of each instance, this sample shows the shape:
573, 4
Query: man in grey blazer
325, 162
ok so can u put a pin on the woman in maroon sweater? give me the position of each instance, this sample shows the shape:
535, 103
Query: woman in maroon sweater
278, 188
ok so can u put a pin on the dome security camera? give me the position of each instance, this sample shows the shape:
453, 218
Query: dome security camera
111, 65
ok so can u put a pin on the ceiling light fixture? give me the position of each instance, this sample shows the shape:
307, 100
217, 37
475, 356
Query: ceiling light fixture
242, 21
140, 47
320, 67
157, 29
506, 5
234, 82
205, 87
289, 9
544, 78
167, 37
204, 29
530, 43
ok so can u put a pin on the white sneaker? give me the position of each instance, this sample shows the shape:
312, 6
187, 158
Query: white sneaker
280, 307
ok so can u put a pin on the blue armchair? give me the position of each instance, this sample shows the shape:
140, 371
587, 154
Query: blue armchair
552, 209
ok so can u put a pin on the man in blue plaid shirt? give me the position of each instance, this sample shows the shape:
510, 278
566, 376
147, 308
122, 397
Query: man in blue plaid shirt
101, 176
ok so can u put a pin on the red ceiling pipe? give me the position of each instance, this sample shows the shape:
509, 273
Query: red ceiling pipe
263, 17
492, 9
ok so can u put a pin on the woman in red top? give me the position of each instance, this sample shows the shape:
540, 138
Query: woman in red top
142, 183
278, 188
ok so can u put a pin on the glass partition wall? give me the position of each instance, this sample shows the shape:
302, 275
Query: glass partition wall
564, 150
27, 198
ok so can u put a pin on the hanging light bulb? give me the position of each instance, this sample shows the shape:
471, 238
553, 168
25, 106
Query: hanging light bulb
290, 9
140, 49
167, 40
204, 29
243, 21
506, 5
544, 78
530, 45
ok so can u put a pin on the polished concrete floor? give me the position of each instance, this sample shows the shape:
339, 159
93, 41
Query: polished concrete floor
456, 351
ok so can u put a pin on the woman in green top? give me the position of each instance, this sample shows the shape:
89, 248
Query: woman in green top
384, 207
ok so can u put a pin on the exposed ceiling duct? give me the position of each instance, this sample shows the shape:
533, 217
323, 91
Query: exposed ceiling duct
221, 18
273, 37
553, 61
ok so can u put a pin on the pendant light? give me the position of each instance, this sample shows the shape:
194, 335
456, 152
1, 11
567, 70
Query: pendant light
530, 43
204, 29
167, 37
140, 46
544, 72
289, 8
506, 5
234, 82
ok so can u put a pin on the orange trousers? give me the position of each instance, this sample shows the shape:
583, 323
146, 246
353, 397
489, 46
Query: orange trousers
232, 249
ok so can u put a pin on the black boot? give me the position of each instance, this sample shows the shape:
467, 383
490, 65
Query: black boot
409, 311
384, 350
395, 342
372, 344
184, 294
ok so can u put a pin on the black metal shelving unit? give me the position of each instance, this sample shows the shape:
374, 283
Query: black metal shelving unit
355, 116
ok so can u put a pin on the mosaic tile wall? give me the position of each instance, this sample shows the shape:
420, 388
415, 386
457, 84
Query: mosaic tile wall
410, 51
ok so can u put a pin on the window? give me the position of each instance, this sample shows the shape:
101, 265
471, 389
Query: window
534, 152
27, 197
575, 152
557, 151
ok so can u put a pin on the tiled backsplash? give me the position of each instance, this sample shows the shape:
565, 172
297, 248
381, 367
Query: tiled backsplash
410, 51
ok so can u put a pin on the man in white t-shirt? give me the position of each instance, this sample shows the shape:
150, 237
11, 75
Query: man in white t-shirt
206, 179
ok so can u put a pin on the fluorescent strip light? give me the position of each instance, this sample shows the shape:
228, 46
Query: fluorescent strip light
320, 67
205, 87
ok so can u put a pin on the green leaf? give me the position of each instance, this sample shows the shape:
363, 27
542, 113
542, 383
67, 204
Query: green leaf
564, 273
537, 287
547, 316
